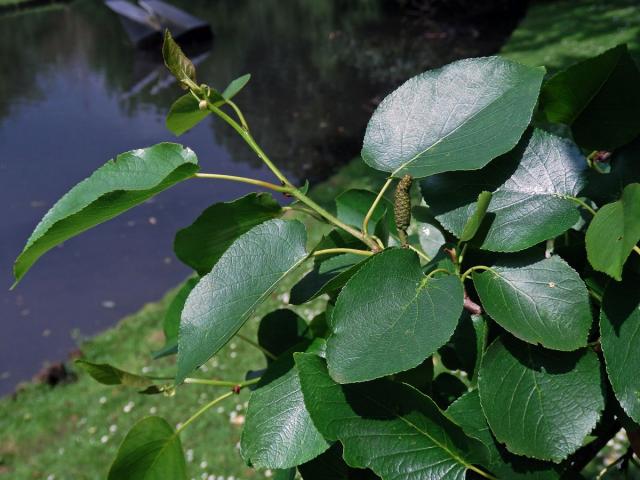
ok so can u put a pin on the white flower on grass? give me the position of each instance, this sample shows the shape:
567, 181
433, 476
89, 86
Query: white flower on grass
233, 354
128, 407
104, 439
189, 455
113, 428
220, 410
153, 410
203, 464
267, 473
102, 400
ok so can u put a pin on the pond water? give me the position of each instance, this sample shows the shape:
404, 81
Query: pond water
74, 93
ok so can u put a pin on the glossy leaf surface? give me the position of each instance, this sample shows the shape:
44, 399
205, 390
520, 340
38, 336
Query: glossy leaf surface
458, 117
120, 184
235, 86
620, 331
467, 413
201, 244
278, 432
614, 232
389, 317
388, 427
185, 114
250, 269
540, 403
543, 302
150, 451
531, 188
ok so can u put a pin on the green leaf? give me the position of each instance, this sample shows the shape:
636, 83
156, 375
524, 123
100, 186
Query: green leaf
466, 347
109, 375
544, 302
246, 274
467, 413
614, 232
352, 206
185, 114
540, 403
280, 330
388, 427
326, 277
430, 238
458, 117
599, 98
532, 188
120, 184
202, 243
389, 317
235, 86
619, 330
171, 325
177, 62
278, 432
150, 451
473, 223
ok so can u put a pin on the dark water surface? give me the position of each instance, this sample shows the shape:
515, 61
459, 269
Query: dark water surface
74, 93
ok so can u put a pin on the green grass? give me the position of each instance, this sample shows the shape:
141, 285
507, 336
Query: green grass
73, 431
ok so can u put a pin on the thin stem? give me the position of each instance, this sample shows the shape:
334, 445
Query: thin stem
256, 345
220, 383
461, 257
595, 295
329, 251
332, 219
437, 270
243, 122
369, 214
202, 410
473, 269
307, 211
421, 254
482, 473
252, 181
636, 249
246, 136
582, 204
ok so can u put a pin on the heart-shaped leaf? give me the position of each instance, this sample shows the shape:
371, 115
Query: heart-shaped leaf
544, 302
388, 427
250, 269
278, 432
201, 244
120, 184
540, 403
281, 330
532, 187
599, 98
150, 451
458, 117
614, 233
389, 317
620, 330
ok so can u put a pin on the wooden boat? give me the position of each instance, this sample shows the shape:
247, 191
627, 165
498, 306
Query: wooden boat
145, 23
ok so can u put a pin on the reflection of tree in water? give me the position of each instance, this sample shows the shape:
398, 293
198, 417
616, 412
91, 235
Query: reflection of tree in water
318, 67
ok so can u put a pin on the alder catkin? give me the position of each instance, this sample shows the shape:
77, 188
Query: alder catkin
402, 206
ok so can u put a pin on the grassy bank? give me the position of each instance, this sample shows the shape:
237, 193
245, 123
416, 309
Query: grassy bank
73, 431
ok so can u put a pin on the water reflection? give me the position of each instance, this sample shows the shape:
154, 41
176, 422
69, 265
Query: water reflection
73, 93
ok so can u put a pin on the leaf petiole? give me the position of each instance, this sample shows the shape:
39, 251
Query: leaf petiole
365, 222
220, 383
476, 268
256, 345
202, 410
251, 181
329, 251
